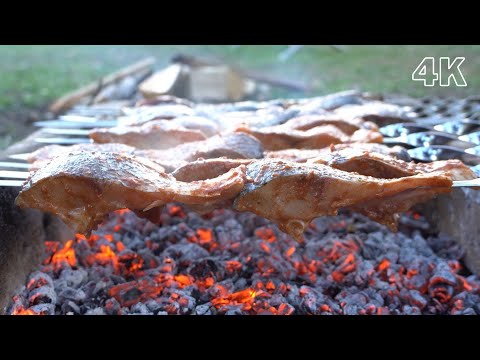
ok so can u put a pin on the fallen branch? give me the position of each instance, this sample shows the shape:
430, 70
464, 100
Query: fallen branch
74, 97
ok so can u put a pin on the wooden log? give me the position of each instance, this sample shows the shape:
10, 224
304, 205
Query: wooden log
197, 62
70, 99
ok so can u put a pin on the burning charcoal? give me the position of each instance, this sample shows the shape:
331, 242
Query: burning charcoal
149, 260
446, 247
43, 295
141, 309
311, 300
231, 310
43, 309
74, 278
476, 307
136, 243
112, 306
241, 283
185, 253
204, 309
411, 310
101, 287
68, 293
417, 299
468, 311
152, 305
70, 307
206, 268
96, 311
38, 279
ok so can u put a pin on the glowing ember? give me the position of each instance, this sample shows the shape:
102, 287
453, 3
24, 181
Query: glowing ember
385, 264
205, 236
21, 311
104, 257
67, 254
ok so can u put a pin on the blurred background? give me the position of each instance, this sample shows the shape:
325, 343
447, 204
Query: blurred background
31, 77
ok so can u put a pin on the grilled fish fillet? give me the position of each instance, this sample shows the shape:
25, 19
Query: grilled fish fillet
233, 146
39, 158
292, 194
308, 122
387, 167
280, 137
159, 134
378, 112
83, 187
143, 114
207, 169
302, 155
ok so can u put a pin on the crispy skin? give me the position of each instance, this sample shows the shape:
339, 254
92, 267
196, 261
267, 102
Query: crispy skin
83, 187
206, 126
233, 146
378, 112
308, 122
159, 134
387, 167
292, 194
280, 137
42, 156
302, 155
395, 151
50, 151
207, 169
295, 155
143, 114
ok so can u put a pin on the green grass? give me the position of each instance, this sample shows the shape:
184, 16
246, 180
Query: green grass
34, 75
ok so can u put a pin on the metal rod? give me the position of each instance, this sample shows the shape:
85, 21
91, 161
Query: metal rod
66, 141
14, 174
14, 165
15, 183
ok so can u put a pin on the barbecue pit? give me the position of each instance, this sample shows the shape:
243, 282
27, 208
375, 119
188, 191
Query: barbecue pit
238, 263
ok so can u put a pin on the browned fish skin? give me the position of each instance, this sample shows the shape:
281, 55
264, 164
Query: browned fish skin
295, 155
292, 194
50, 151
206, 126
207, 169
387, 167
378, 112
160, 134
233, 146
308, 122
143, 114
279, 138
42, 156
83, 187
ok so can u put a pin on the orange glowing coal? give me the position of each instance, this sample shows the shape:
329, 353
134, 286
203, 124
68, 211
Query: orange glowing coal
246, 297
66, 254
176, 211
290, 251
104, 257
182, 280
204, 235
233, 265
122, 211
266, 234
22, 311
385, 264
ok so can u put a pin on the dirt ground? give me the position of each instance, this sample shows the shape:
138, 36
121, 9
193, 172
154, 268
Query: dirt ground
17, 123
